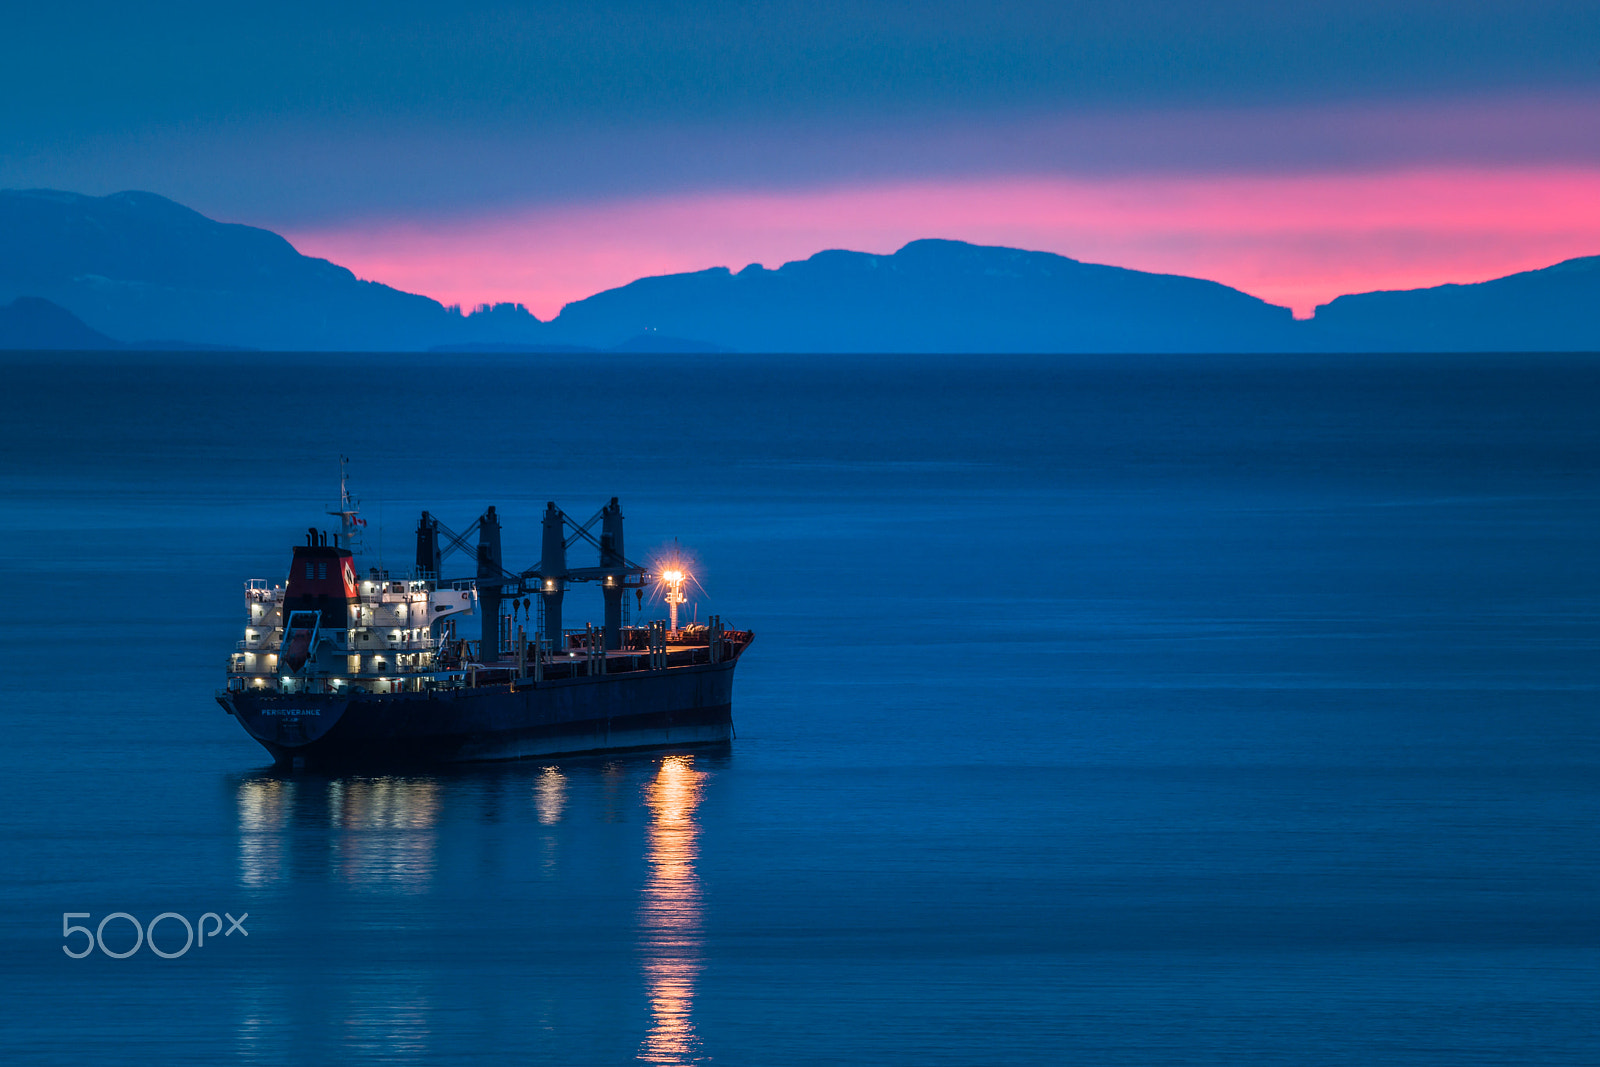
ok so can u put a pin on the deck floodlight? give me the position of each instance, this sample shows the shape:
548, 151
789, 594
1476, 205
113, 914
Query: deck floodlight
674, 579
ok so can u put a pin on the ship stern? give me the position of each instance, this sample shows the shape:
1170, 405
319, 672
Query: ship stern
288, 725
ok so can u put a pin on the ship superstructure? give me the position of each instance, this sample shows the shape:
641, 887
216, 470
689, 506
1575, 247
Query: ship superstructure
326, 629
345, 663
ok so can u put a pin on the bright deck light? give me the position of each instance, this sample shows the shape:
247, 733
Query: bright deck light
674, 579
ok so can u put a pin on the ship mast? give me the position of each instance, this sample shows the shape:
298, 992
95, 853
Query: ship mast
351, 523
674, 580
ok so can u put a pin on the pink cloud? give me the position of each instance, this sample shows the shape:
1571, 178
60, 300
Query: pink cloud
1296, 240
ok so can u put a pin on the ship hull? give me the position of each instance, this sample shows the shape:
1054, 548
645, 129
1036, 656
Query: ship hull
644, 709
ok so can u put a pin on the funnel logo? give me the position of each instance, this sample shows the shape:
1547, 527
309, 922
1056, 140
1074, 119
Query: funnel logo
350, 590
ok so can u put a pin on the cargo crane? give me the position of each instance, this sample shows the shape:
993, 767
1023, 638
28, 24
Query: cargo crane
546, 580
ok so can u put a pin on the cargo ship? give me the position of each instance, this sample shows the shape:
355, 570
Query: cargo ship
344, 665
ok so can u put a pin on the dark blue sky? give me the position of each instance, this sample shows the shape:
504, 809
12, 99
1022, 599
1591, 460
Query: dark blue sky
312, 118
87, 66
108, 85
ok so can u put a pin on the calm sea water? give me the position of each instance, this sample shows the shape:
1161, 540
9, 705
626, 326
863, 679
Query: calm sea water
1135, 710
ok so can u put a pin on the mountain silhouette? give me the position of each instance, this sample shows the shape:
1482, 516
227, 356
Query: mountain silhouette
136, 265
934, 296
1548, 310
33, 322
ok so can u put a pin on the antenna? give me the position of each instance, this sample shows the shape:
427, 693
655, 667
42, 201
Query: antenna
348, 512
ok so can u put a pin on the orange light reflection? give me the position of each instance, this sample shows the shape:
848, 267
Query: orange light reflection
669, 916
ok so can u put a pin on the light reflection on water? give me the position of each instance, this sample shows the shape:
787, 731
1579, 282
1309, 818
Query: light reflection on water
385, 835
550, 796
549, 801
259, 1016
383, 829
670, 913
390, 1022
299, 837
264, 805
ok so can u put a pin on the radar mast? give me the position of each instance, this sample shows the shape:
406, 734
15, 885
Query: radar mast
351, 524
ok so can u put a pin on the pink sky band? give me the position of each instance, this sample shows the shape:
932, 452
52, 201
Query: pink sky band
1296, 240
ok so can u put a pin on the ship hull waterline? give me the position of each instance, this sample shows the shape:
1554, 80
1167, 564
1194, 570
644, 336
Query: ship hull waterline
607, 713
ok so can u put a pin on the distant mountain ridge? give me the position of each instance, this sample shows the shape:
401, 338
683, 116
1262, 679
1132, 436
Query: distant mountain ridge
1553, 309
33, 322
935, 296
135, 265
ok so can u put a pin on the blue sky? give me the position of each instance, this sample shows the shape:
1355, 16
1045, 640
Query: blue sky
402, 137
